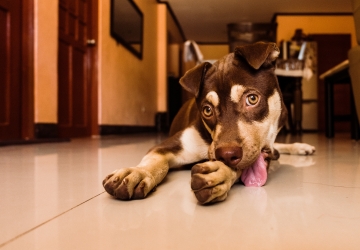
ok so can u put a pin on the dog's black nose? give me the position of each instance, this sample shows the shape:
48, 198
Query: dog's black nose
231, 156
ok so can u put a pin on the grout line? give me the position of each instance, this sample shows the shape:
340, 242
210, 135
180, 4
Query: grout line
327, 185
47, 221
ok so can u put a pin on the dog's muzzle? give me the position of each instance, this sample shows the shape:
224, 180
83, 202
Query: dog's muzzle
231, 156
255, 175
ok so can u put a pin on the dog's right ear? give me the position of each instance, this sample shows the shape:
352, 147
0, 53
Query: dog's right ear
193, 78
258, 54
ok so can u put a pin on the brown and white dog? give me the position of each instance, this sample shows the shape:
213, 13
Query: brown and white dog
230, 126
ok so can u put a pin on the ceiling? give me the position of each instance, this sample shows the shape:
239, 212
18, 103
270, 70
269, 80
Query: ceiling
205, 21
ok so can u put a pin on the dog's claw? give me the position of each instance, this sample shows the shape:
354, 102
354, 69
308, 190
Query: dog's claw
203, 195
122, 193
201, 169
197, 182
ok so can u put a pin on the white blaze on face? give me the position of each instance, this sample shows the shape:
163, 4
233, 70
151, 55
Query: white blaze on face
236, 92
215, 137
257, 135
213, 98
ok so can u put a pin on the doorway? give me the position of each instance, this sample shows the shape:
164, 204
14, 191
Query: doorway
332, 50
10, 37
16, 70
77, 85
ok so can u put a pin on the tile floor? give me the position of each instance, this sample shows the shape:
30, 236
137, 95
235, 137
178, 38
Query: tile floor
52, 198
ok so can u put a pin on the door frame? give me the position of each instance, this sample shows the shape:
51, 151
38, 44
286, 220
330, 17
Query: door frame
93, 62
27, 70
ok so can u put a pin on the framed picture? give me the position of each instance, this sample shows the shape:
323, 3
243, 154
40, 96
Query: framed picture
126, 25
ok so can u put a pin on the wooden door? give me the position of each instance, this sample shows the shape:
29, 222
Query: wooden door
74, 92
332, 50
10, 69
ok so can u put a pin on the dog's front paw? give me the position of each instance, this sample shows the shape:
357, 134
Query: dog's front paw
211, 181
302, 149
129, 183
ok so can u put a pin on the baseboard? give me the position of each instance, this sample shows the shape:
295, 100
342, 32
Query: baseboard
50, 130
161, 125
44, 133
46, 130
121, 129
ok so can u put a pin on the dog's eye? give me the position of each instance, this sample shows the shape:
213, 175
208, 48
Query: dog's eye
252, 99
207, 111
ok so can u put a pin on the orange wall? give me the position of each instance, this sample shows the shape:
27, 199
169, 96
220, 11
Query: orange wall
127, 85
131, 91
45, 64
161, 56
315, 24
214, 52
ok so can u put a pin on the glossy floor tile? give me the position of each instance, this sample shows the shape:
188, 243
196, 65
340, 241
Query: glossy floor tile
52, 198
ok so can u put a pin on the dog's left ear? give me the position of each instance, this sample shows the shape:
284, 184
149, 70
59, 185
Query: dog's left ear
193, 78
258, 53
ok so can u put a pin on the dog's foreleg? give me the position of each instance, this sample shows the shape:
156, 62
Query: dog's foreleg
295, 148
136, 182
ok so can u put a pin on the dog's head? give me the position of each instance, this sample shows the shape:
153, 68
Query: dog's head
241, 107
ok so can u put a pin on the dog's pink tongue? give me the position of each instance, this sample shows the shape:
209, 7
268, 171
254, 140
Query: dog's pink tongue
256, 175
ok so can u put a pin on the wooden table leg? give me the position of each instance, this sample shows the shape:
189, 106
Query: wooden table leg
329, 105
355, 127
298, 105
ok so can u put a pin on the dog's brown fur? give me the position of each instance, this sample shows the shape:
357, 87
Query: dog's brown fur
231, 123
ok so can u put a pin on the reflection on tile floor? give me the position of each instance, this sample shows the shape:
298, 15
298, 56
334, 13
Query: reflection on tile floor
52, 198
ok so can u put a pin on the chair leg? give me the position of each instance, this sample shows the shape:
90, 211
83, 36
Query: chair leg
355, 127
290, 119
